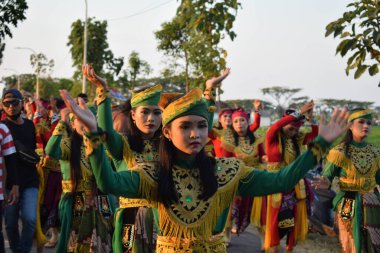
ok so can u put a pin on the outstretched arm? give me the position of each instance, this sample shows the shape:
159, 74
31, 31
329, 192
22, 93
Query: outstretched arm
114, 140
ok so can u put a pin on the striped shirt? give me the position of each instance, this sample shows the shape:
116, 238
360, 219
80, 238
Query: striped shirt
6, 148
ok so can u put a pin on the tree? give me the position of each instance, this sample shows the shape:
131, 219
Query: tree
99, 56
41, 64
11, 12
281, 97
137, 66
192, 38
329, 104
359, 30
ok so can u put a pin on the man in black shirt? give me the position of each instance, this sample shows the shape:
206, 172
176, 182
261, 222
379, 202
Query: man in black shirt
23, 131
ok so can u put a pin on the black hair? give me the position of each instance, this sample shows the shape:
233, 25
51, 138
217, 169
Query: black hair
295, 144
75, 156
167, 193
134, 136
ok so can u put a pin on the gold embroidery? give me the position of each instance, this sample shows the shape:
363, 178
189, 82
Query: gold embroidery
360, 168
287, 223
101, 95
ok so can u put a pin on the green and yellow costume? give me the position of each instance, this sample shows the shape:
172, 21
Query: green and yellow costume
134, 226
357, 203
194, 224
85, 213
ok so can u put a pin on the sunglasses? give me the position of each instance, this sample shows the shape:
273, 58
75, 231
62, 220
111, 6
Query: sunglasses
15, 102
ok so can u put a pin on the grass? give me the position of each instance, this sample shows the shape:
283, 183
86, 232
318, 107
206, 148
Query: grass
374, 136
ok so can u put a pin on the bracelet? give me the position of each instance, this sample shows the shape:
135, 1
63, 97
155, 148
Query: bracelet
210, 93
92, 141
101, 95
60, 129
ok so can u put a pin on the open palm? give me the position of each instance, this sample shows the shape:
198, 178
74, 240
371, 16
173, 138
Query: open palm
331, 130
81, 112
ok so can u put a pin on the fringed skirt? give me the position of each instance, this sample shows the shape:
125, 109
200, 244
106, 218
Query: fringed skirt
369, 224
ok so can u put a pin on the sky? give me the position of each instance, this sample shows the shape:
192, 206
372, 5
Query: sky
278, 43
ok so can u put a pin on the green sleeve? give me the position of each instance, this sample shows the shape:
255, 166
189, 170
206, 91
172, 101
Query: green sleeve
260, 182
123, 183
331, 170
114, 142
53, 147
211, 114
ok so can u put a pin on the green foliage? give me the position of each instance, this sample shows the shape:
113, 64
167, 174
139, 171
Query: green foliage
41, 64
191, 39
48, 86
99, 56
137, 66
359, 29
11, 12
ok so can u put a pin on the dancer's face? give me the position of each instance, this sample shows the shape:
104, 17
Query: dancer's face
225, 120
240, 125
147, 119
188, 133
360, 128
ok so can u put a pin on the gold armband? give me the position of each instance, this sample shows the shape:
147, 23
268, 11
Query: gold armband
210, 93
101, 95
93, 141
60, 128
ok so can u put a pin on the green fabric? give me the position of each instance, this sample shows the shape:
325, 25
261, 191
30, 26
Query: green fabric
117, 245
200, 109
65, 215
114, 140
150, 98
257, 183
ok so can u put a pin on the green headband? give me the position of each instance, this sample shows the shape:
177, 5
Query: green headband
149, 96
363, 114
190, 104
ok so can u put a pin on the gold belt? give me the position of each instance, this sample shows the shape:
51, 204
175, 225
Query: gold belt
275, 166
216, 244
127, 202
51, 164
84, 186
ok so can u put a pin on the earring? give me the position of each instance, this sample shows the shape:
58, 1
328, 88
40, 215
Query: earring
134, 122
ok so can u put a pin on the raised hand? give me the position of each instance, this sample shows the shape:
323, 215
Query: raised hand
81, 112
308, 106
215, 81
257, 104
89, 73
331, 130
321, 183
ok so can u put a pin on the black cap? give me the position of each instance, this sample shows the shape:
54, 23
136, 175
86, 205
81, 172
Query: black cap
15, 93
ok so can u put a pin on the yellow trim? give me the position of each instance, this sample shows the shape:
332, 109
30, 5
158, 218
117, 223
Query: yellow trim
359, 114
137, 98
181, 105
127, 202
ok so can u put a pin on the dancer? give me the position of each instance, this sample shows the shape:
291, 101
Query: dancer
134, 227
357, 205
194, 191
287, 211
85, 212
